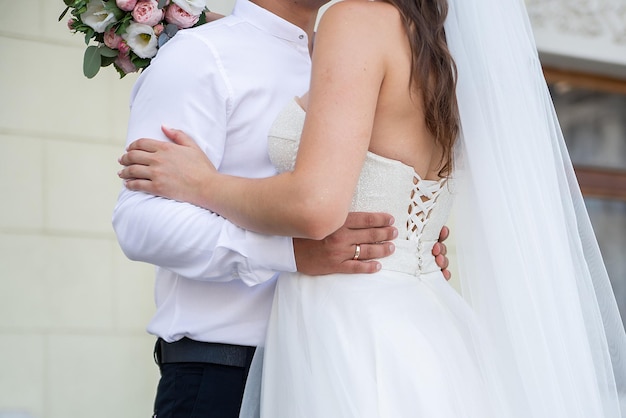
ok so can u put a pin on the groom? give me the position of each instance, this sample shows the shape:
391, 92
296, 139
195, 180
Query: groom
224, 83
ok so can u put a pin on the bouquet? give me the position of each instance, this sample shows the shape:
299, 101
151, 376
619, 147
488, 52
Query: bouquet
128, 33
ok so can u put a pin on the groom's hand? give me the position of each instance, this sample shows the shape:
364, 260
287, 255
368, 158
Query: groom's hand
337, 253
371, 232
440, 252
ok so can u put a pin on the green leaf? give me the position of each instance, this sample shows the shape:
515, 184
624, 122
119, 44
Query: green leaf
111, 7
105, 51
123, 25
201, 19
92, 61
139, 62
89, 33
106, 61
121, 73
64, 13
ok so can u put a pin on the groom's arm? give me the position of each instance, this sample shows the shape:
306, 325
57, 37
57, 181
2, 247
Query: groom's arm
181, 88
192, 241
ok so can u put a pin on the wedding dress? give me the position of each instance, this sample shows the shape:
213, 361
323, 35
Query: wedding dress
402, 342
399, 343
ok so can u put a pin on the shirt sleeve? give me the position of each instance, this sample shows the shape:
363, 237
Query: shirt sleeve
185, 88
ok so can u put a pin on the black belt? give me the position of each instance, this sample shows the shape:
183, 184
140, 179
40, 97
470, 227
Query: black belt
186, 350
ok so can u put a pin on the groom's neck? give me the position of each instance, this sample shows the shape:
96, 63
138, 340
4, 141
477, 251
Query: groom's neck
302, 13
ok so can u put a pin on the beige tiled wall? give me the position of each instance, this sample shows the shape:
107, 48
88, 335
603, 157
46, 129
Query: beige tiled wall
73, 309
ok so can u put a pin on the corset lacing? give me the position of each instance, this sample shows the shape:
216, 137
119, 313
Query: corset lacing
423, 199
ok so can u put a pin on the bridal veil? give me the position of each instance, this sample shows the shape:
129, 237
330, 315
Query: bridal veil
529, 263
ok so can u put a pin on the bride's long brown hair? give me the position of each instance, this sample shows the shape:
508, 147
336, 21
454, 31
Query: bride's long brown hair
433, 71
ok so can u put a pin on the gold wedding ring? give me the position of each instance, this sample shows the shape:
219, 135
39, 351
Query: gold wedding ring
357, 252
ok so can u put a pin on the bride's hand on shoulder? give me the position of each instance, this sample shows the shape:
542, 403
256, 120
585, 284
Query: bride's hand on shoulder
177, 170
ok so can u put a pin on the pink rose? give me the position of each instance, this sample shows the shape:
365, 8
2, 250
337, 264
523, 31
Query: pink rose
158, 29
123, 48
124, 63
147, 12
179, 17
70, 24
126, 5
112, 39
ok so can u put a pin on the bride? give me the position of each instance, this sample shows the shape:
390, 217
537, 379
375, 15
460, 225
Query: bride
414, 103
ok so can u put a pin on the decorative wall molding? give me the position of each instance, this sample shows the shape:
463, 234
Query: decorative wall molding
590, 18
581, 35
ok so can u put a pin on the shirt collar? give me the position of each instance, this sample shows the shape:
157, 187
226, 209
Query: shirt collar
269, 22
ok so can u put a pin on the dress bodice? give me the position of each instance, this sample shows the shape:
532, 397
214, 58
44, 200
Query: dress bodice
419, 207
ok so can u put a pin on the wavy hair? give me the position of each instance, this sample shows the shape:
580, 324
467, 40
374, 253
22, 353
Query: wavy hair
433, 71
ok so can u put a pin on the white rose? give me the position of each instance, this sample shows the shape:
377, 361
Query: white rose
141, 40
193, 7
96, 17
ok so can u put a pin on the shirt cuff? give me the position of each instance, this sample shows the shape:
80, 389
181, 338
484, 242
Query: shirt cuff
267, 255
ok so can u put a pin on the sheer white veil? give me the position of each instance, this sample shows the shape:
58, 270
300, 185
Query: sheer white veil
529, 263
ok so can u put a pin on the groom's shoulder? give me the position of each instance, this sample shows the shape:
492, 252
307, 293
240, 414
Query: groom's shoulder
218, 31
227, 38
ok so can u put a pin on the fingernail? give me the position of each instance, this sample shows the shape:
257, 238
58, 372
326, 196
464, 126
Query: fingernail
391, 221
395, 233
378, 266
391, 247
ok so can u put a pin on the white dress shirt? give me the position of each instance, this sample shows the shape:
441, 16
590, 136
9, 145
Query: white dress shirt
223, 83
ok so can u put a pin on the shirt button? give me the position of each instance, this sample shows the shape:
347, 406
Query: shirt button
301, 36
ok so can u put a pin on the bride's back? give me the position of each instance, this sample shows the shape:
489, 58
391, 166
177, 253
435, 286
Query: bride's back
399, 129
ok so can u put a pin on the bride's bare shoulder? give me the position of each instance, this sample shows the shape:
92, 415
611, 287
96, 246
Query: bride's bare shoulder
356, 10
376, 18
360, 3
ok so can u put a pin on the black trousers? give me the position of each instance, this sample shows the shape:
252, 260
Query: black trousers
199, 390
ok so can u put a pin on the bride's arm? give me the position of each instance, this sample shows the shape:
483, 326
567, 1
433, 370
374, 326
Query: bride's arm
314, 199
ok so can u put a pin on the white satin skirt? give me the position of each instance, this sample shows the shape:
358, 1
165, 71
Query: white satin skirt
389, 345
